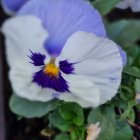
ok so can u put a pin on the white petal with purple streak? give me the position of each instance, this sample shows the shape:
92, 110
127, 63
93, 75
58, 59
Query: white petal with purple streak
98, 60
83, 91
22, 35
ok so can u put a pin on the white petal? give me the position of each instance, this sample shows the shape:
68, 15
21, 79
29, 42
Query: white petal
123, 5
83, 91
22, 85
99, 61
25, 33
77, 47
135, 5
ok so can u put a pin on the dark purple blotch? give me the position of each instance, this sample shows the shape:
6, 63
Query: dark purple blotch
56, 83
66, 67
37, 59
45, 80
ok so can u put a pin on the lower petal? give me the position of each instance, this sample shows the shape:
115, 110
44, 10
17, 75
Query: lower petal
58, 84
24, 33
99, 60
24, 87
82, 91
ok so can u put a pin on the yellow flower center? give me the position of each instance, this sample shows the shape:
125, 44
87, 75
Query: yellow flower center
51, 69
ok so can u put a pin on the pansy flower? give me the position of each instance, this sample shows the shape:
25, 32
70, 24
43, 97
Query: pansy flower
58, 49
133, 4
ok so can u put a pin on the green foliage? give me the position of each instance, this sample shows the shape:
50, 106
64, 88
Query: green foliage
69, 117
125, 31
29, 109
112, 127
132, 71
62, 136
105, 6
57, 121
126, 93
137, 86
72, 112
123, 131
106, 117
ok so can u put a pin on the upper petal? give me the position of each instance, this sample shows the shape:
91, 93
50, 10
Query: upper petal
98, 59
62, 18
12, 6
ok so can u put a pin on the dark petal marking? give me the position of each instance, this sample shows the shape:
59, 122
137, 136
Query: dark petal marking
66, 67
37, 59
56, 83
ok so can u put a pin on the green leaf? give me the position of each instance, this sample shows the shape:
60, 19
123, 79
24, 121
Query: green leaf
128, 114
105, 6
138, 107
111, 127
137, 86
127, 93
62, 136
74, 135
30, 109
123, 131
133, 53
57, 121
106, 117
72, 112
125, 31
117, 102
132, 71
131, 115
